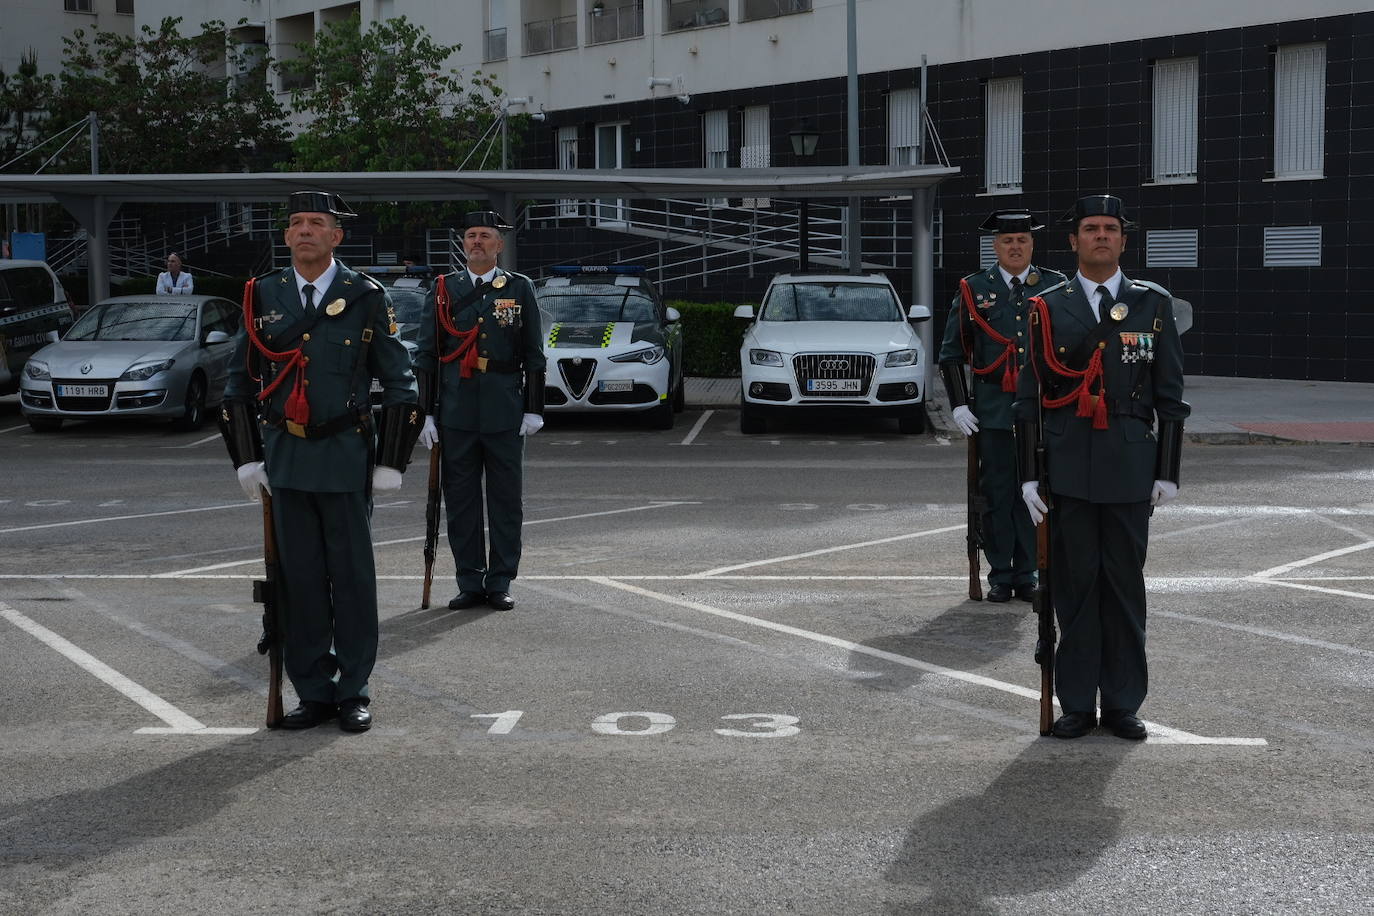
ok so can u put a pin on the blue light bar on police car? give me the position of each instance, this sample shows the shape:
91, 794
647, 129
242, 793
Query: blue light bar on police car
396, 269
623, 269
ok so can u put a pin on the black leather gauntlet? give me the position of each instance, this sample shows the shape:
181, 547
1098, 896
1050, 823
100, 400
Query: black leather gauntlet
429, 391
238, 425
956, 386
1170, 452
1027, 449
534, 391
397, 431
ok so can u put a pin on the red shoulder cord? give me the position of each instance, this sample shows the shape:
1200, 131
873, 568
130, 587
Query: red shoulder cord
1089, 405
1008, 357
467, 340
297, 405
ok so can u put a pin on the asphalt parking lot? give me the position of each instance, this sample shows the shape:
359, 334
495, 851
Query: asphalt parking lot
743, 677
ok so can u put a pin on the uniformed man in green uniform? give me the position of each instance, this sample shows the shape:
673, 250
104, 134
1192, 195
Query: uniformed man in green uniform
481, 357
298, 423
1107, 379
987, 330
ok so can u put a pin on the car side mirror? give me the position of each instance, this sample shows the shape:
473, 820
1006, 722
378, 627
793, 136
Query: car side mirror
674, 315
216, 337
744, 311
918, 313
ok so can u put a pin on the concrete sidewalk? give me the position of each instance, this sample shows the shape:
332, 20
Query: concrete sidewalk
1225, 410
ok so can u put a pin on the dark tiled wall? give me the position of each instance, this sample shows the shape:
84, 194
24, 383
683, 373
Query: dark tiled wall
1087, 130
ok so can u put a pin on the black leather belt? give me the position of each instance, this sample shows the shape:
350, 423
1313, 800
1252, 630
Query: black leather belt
319, 430
497, 365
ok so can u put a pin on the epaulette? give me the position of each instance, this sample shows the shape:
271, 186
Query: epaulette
1063, 282
1154, 286
271, 273
376, 284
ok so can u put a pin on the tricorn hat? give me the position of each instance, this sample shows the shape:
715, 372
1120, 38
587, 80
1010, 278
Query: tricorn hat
1011, 221
317, 202
489, 218
1097, 205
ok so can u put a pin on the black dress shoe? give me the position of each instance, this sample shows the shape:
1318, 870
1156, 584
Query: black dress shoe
1025, 591
1074, 725
1000, 593
500, 601
464, 600
309, 714
1125, 725
354, 716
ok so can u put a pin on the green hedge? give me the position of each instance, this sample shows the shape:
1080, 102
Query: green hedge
228, 287
713, 335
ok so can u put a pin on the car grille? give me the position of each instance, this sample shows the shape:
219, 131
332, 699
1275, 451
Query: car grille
577, 377
831, 366
639, 394
84, 403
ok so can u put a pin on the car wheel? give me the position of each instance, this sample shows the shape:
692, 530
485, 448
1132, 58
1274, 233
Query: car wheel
44, 424
912, 423
662, 417
749, 420
194, 413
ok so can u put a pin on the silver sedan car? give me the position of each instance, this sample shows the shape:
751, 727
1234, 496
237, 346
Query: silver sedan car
134, 356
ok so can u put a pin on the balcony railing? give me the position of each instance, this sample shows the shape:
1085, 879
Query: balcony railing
771, 9
694, 14
494, 44
550, 35
615, 24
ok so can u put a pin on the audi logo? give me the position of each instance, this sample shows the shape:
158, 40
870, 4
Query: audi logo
834, 365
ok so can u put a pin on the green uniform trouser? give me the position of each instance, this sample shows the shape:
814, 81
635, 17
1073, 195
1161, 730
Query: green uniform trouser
324, 544
468, 457
1099, 600
1008, 535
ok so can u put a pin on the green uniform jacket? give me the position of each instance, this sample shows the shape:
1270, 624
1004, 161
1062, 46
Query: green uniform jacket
992, 298
512, 337
337, 463
1143, 374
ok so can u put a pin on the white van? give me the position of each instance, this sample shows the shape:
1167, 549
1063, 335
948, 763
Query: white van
34, 311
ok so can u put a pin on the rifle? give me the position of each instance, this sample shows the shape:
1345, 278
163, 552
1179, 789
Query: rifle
1043, 602
431, 521
265, 593
977, 507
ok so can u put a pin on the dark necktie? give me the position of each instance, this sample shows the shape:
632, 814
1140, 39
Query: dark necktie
309, 290
1016, 290
1104, 302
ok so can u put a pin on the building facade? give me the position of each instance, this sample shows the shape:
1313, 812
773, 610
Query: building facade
38, 27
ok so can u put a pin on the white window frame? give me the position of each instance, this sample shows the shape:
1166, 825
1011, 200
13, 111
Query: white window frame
715, 145
1174, 121
1002, 147
755, 150
903, 126
611, 212
1299, 111
566, 151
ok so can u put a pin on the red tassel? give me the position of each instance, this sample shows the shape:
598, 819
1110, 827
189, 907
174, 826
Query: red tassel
297, 405
1009, 377
1100, 411
1085, 401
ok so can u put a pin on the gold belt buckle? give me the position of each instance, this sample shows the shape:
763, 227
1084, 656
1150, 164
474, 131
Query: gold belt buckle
481, 364
295, 429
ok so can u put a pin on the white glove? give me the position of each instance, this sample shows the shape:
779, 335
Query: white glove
1164, 491
429, 434
530, 424
253, 476
1030, 495
965, 419
385, 478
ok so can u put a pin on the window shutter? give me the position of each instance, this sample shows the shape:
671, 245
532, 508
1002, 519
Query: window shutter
903, 118
1175, 120
987, 255
1003, 151
1292, 246
1171, 248
1299, 111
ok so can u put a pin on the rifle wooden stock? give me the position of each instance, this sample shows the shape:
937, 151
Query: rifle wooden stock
1044, 603
265, 593
435, 493
974, 531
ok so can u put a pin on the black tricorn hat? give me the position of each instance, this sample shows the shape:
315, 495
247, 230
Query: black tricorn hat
1097, 205
1010, 221
489, 218
317, 202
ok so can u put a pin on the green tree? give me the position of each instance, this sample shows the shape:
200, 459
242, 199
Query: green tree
24, 99
384, 100
168, 102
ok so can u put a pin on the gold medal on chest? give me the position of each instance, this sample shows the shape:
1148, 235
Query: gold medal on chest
334, 308
1119, 312
498, 281
1032, 278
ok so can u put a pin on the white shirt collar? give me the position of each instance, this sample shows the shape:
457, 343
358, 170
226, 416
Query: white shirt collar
1113, 285
483, 278
1006, 277
321, 283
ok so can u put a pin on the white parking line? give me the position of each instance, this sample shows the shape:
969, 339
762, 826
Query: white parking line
123, 518
1298, 564
705, 415
197, 442
178, 722
10, 429
1159, 734
1315, 588
824, 550
1272, 634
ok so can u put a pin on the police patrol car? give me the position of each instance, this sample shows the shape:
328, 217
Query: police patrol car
612, 345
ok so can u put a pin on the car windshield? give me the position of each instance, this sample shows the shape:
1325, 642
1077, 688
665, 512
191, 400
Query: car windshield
822, 301
595, 302
408, 303
136, 321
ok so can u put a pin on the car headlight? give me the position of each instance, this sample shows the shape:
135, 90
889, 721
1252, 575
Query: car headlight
648, 356
141, 371
765, 357
901, 358
37, 369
